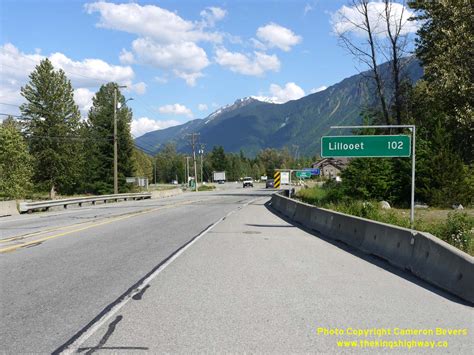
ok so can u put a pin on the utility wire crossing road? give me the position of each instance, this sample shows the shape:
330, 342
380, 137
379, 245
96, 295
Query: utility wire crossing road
202, 272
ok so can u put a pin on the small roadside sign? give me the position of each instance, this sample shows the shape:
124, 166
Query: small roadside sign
303, 174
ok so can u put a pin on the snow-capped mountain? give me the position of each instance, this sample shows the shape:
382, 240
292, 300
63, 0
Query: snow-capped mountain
254, 123
239, 103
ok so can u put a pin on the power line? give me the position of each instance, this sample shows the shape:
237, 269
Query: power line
9, 114
32, 137
4, 103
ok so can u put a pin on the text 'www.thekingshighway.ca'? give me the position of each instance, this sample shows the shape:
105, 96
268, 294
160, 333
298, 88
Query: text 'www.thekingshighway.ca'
391, 344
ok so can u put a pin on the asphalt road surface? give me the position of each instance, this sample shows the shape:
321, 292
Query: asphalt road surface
205, 272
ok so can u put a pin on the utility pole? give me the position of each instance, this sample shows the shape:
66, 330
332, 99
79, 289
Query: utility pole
193, 145
116, 87
187, 170
201, 151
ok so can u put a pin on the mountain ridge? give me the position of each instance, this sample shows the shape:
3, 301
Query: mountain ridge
251, 125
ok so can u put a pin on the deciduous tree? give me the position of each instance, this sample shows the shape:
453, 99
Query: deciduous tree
15, 162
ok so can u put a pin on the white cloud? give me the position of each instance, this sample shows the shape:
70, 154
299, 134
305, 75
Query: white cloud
185, 59
349, 19
143, 125
87, 73
315, 90
84, 75
151, 21
213, 14
138, 88
189, 78
161, 79
254, 65
83, 98
291, 91
176, 109
126, 57
274, 35
202, 107
92, 72
308, 8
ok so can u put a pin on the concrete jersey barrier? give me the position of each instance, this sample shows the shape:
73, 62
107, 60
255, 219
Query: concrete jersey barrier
426, 256
166, 193
8, 208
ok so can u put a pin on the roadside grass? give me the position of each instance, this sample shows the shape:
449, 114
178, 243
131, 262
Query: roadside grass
161, 187
452, 226
206, 188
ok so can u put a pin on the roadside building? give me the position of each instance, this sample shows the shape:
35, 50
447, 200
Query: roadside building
331, 167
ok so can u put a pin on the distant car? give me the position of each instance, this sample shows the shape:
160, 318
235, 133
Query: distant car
270, 184
221, 182
248, 182
174, 182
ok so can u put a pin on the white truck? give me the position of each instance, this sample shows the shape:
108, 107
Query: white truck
285, 178
219, 177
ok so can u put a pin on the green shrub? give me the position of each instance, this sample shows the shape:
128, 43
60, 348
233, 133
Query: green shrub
206, 188
458, 231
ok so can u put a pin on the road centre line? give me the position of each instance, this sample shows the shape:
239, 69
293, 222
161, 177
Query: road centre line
32, 234
72, 346
108, 221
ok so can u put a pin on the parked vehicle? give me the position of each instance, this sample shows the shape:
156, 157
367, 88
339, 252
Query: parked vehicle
219, 176
270, 184
248, 182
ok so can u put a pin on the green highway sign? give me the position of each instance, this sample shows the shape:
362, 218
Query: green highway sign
366, 146
303, 174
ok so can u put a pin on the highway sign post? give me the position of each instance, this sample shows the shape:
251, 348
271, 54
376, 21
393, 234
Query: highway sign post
366, 146
376, 147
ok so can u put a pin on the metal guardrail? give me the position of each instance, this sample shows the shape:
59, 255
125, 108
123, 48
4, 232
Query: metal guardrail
29, 207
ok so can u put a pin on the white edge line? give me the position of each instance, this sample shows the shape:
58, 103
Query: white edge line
74, 347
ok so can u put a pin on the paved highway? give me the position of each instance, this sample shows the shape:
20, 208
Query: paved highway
204, 272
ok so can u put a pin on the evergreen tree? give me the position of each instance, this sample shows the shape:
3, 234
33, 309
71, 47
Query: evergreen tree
100, 133
52, 125
15, 162
218, 159
445, 47
368, 178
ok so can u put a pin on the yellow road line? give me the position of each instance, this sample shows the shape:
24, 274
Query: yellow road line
17, 246
32, 234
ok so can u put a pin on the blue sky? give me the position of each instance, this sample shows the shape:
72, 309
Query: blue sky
180, 59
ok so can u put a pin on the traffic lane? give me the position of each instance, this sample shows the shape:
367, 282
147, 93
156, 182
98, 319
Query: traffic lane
27, 224
256, 283
53, 289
